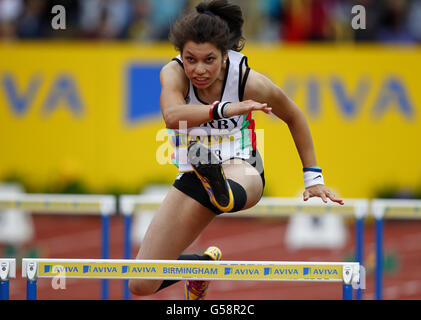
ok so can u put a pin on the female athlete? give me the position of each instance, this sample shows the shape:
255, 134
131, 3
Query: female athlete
208, 97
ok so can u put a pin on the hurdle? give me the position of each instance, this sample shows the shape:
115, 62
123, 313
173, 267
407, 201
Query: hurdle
267, 207
346, 273
103, 205
389, 209
7, 272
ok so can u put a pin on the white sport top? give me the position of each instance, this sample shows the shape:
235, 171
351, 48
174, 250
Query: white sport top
233, 137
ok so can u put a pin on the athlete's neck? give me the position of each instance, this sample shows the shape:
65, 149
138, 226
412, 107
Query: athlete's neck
213, 92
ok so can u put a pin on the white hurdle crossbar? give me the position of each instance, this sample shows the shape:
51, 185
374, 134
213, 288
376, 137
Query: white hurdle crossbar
101, 205
59, 203
267, 207
346, 273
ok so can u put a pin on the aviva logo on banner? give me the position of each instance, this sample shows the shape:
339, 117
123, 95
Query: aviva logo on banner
306, 271
392, 97
143, 91
62, 89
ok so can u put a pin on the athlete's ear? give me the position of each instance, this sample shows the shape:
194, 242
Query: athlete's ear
225, 57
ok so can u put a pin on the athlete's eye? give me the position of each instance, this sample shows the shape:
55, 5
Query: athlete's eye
189, 59
211, 59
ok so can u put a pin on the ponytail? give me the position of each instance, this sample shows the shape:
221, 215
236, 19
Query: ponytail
231, 14
216, 21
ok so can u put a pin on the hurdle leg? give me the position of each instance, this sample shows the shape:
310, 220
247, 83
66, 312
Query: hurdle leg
127, 252
31, 290
4, 290
379, 258
359, 226
105, 222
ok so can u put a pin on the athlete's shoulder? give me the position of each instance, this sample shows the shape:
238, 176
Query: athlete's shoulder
172, 72
258, 86
173, 79
172, 66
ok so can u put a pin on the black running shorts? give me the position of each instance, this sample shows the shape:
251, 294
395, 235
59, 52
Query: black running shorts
190, 184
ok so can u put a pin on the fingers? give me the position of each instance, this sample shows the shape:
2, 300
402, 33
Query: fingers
254, 106
246, 107
333, 197
263, 108
323, 193
267, 110
337, 200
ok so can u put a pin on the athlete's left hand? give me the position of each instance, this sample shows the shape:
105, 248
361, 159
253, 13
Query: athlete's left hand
322, 192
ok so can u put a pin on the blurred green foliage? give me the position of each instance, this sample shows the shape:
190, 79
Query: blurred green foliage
395, 192
78, 186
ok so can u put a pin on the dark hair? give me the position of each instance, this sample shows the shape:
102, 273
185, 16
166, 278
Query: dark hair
216, 21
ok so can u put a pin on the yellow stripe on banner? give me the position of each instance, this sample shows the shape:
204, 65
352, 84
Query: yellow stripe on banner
403, 212
274, 210
125, 270
146, 206
46, 206
277, 210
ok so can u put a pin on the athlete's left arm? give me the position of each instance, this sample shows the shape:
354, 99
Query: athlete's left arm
263, 90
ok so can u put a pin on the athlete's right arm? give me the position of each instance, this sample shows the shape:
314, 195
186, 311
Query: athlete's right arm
174, 87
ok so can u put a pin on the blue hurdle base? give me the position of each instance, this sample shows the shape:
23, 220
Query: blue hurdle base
347, 292
4, 290
31, 290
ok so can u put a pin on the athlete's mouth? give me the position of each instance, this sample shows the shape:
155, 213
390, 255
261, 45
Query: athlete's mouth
201, 81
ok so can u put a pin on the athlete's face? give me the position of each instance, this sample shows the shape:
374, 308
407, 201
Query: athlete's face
203, 63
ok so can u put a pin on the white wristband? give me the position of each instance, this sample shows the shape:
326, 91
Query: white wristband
221, 107
221, 116
312, 178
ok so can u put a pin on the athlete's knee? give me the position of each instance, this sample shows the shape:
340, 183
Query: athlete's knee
240, 195
142, 287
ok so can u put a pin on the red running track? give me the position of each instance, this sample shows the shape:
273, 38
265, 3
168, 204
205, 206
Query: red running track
239, 239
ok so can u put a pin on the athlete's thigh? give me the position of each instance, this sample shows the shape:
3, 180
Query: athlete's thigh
175, 225
247, 176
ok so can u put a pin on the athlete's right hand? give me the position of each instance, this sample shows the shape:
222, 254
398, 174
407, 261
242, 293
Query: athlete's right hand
244, 107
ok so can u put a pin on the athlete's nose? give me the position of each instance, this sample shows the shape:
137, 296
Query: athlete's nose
200, 69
